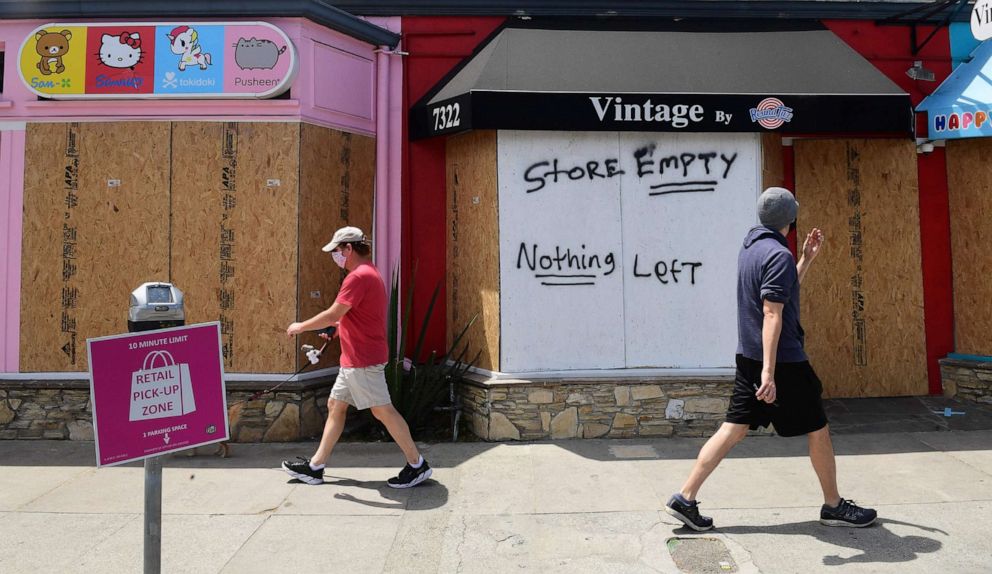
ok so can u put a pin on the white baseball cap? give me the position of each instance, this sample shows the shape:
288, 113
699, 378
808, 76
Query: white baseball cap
344, 235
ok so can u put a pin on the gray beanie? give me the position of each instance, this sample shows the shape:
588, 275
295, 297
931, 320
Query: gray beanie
777, 208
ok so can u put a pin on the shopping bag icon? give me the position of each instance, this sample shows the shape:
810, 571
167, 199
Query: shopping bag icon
163, 391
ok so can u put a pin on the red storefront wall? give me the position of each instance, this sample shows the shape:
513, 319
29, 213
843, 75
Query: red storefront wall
436, 45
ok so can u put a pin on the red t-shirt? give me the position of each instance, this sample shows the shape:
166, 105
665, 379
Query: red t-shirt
363, 327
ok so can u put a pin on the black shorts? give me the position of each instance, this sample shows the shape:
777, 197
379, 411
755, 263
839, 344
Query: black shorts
797, 409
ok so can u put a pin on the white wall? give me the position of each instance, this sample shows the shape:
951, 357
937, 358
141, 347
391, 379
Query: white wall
680, 209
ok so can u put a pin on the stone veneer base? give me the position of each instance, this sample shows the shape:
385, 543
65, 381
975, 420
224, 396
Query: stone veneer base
495, 409
503, 409
61, 409
969, 380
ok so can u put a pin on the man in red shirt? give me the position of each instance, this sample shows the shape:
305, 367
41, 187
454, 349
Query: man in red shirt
359, 312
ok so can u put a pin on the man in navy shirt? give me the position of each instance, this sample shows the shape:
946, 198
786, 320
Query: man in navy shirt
775, 383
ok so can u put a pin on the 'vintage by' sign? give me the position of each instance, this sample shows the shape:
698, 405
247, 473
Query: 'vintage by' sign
981, 20
157, 60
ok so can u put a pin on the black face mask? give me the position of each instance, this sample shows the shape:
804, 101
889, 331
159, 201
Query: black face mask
792, 227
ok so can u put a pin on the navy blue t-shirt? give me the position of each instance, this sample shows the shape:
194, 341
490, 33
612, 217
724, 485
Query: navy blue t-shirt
767, 270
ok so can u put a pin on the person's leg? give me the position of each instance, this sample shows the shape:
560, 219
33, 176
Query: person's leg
399, 430
821, 454
715, 449
835, 511
337, 412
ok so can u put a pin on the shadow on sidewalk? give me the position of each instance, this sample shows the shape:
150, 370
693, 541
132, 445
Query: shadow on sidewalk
876, 543
427, 496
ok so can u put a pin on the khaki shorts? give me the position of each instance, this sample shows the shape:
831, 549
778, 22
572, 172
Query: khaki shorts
362, 387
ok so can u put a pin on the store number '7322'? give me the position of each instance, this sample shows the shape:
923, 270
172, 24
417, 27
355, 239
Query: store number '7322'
446, 117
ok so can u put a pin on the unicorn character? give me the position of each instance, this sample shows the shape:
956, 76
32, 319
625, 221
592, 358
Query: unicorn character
122, 51
183, 41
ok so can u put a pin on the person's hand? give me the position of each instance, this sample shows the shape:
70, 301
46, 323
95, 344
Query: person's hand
294, 329
811, 247
766, 392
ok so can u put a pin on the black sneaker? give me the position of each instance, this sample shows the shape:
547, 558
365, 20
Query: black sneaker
688, 514
847, 514
302, 471
410, 476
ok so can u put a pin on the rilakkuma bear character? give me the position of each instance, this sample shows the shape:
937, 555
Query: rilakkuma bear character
51, 47
123, 51
184, 42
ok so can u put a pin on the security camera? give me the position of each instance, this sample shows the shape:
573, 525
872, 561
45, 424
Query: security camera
918, 72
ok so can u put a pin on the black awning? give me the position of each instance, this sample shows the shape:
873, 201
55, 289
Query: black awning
806, 81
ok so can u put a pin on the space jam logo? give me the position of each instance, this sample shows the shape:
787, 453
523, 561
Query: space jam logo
771, 113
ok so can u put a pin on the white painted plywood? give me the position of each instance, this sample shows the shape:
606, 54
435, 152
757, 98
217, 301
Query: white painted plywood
688, 201
561, 266
620, 250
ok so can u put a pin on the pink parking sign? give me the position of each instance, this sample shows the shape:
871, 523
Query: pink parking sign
156, 392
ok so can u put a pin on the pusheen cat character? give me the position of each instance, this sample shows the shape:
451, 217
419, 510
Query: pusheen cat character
184, 43
256, 54
123, 51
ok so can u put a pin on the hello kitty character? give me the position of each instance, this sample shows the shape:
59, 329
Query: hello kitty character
121, 51
184, 43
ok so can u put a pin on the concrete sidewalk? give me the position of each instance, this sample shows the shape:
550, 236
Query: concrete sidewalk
570, 506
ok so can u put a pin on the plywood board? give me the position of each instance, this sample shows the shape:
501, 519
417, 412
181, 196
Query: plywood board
862, 301
196, 218
112, 192
561, 245
472, 283
41, 257
619, 250
235, 201
772, 173
337, 181
970, 189
268, 188
357, 165
687, 205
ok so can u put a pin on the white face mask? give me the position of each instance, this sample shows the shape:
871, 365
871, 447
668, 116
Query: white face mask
339, 258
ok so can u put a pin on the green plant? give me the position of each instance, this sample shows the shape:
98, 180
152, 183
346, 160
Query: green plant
417, 390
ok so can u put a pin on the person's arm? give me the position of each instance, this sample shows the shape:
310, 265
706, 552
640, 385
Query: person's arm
325, 318
811, 248
771, 330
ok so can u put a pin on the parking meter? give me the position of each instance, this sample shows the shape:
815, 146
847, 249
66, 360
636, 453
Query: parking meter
155, 306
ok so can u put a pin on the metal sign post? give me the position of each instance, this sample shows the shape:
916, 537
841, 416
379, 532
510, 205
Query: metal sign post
154, 306
153, 515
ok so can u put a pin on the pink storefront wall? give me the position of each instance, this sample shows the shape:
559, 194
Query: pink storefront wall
362, 95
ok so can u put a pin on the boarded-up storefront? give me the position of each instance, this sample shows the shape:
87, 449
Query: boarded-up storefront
216, 155
233, 213
595, 217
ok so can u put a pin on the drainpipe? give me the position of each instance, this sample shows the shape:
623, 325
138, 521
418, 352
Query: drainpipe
388, 195
383, 187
